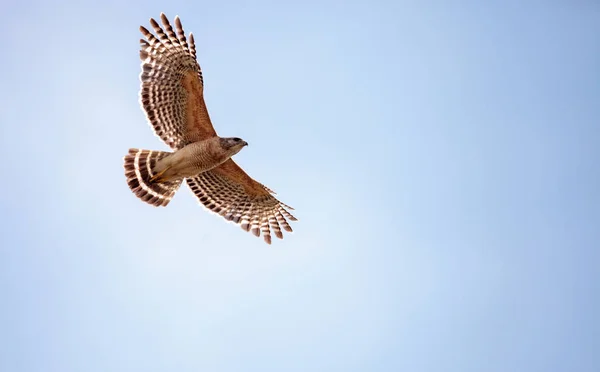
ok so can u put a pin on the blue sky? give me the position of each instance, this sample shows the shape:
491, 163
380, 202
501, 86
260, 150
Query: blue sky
442, 160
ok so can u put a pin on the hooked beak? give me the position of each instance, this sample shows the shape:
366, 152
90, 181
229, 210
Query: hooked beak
245, 143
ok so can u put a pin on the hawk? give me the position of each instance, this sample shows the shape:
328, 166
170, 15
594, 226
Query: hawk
172, 97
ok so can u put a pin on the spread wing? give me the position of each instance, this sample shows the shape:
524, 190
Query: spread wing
172, 86
228, 191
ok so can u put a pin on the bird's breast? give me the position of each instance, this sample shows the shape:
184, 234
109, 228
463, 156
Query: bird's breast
194, 159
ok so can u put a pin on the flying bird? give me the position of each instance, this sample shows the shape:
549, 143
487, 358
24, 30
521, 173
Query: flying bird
172, 96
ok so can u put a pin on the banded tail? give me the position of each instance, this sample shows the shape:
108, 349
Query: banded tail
138, 170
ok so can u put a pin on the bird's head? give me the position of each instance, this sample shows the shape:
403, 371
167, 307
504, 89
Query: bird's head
232, 145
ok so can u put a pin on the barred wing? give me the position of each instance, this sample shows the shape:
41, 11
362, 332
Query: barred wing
172, 86
228, 191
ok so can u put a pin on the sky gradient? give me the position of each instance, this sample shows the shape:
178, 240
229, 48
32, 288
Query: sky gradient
442, 161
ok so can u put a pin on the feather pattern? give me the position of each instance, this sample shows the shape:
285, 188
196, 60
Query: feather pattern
172, 86
139, 166
227, 198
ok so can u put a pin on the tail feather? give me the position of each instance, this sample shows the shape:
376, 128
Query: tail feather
138, 170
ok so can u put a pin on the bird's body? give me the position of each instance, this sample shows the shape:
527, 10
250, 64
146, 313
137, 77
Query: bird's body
195, 158
172, 96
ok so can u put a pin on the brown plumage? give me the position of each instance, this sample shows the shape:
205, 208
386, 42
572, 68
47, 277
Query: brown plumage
173, 99
138, 170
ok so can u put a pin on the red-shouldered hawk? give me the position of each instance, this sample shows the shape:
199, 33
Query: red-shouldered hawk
172, 97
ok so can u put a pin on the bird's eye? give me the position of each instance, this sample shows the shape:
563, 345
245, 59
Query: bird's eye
237, 139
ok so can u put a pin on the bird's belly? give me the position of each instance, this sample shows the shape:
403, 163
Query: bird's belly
191, 167
189, 162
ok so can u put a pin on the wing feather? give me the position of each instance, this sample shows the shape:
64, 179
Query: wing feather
172, 85
230, 192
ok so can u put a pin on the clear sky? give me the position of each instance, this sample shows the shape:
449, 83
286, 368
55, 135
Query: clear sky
442, 160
